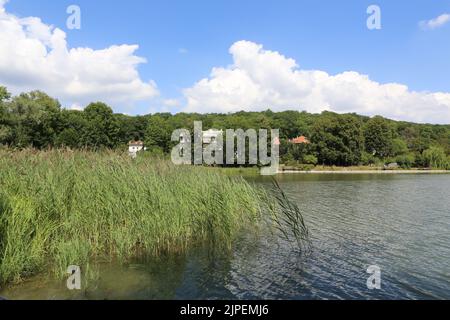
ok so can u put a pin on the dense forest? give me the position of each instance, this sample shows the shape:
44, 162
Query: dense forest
36, 120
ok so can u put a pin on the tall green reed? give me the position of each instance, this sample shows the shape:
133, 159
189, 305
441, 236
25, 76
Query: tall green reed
61, 208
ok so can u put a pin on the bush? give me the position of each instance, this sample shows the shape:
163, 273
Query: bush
399, 147
406, 161
435, 158
368, 159
310, 159
288, 158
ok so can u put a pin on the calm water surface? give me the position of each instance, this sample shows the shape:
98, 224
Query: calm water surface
400, 223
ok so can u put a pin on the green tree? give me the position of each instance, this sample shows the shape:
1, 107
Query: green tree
4, 94
286, 121
399, 147
71, 129
131, 127
34, 117
338, 139
5, 129
158, 133
102, 128
378, 137
425, 138
37, 120
68, 138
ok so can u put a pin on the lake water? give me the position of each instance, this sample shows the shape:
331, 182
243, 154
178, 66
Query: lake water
400, 223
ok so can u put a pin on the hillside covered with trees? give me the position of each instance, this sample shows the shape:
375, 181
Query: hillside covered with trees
38, 121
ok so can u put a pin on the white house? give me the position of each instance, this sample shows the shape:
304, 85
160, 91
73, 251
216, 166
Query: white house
134, 147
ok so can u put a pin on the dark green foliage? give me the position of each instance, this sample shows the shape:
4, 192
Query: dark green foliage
36, 120
101, 127
33, 119
158, 133
338, 139
435, 158
4, 94
406, 161
378, 135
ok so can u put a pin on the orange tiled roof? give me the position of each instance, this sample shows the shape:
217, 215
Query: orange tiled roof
136, 143
300, 140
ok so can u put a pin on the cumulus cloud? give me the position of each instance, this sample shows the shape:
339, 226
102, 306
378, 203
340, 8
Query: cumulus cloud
436, 22
35, 55
259, 79
171, 102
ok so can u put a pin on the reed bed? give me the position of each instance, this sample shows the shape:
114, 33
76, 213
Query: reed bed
61, 208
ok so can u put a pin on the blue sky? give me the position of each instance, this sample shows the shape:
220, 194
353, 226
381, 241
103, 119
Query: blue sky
184, 40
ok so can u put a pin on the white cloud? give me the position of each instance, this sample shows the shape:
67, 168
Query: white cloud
2, 5
76, 107
259, 79
172, 103
34, 55
436, 22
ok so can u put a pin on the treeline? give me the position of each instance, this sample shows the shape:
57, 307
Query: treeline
37, 120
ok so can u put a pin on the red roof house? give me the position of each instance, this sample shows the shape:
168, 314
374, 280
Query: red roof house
300, 140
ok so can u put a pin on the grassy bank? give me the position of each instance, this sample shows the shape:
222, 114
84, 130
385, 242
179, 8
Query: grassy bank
61, 208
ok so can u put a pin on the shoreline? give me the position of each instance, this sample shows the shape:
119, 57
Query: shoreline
366, 172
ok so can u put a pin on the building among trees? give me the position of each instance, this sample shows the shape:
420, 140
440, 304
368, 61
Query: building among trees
36, 120
300, 140
134, 147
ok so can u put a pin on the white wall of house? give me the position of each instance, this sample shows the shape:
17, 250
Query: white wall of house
135, 148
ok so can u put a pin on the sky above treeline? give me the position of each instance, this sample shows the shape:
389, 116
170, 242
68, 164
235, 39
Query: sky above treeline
142, 56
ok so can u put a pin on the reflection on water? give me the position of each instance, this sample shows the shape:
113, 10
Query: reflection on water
399, 222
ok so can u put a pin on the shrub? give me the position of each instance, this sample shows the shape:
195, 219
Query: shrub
406, 161
368, 159
435, 158
310, 159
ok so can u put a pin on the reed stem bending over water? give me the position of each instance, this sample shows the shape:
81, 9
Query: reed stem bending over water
289, 219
